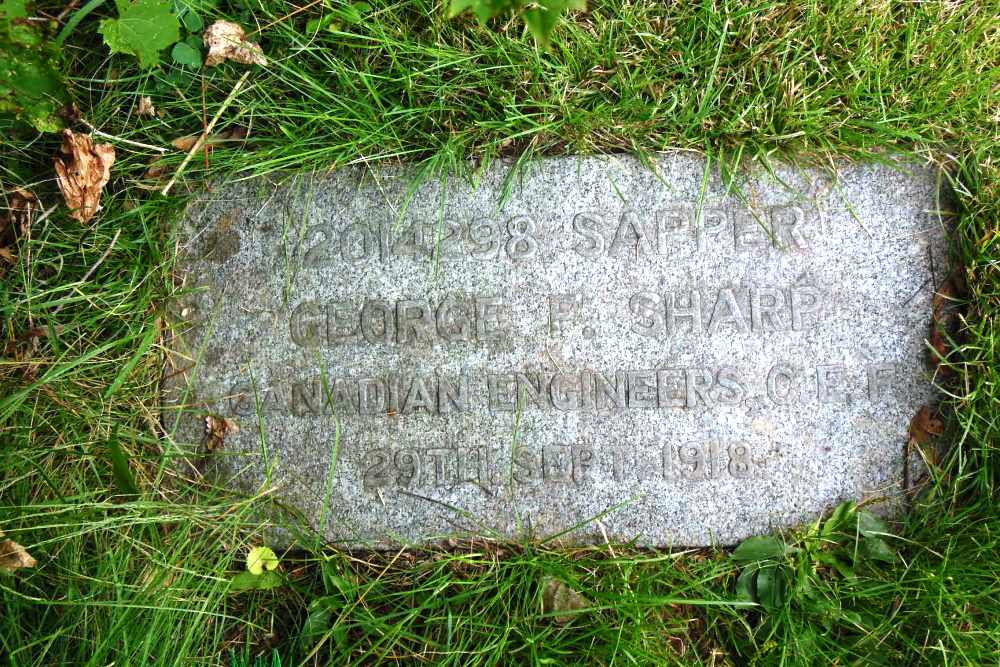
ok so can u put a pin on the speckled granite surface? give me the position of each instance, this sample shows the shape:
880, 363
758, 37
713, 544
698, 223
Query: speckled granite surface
607, 341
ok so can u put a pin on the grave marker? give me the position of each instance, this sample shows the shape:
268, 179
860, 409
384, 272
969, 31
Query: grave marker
689, 364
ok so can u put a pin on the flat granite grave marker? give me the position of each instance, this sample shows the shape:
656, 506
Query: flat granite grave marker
590, 338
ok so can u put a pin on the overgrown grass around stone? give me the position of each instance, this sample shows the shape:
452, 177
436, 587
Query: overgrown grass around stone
144, 578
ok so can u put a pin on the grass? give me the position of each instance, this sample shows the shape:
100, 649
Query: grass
142, 578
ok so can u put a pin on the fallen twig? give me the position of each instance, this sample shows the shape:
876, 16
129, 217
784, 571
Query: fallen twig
201, 140
100, 261
111, 137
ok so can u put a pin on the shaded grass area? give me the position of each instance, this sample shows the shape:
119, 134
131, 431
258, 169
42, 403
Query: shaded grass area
143, 578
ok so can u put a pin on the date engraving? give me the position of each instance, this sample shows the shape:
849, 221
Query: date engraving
571, 465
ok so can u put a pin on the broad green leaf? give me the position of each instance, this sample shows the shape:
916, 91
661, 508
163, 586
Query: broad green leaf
759, 548
539, 15
745, 584
260, 559
354, 12
346, 587
772, 587
838, 518
543, 15
13, 9
318, 619
186, 55
870, 525
483, 9
333, 21
542, 19
143, 28
119, 467
830, 560
456, 7
247, 581
191, 20
764, 588
875, 548
804, 578
31, 85
314, 25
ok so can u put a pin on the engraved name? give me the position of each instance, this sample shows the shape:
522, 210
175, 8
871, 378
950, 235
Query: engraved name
727, 310
402, 322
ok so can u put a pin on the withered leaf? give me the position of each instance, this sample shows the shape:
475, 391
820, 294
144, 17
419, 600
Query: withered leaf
216, 429
16, 216
157, 168
15, 223
561, 600
21, 205
228, 41
14, 556
944, 318
83, 173
924, 426
146, 107
187, 142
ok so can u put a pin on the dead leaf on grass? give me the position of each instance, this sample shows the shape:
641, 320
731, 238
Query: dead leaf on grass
15, 223
216, 429
146, 107
233, 134
945, 306
924, 426
22, 349
185, 143
228, 41
14, 556
83, 173
561, 600
155, 172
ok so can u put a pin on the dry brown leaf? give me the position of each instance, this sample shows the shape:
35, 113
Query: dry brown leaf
18, 348
941, 346
15, 223
216, 429
562, 600
146, 107
157, 578
156, 169
924, 426
945, 306
14, 556
186, 143
228, 41
83, 173
22, 203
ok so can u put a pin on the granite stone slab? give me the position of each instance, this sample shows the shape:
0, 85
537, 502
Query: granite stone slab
589, 346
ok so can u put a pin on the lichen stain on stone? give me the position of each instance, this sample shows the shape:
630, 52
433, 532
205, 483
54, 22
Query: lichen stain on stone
212, 355
223, 241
